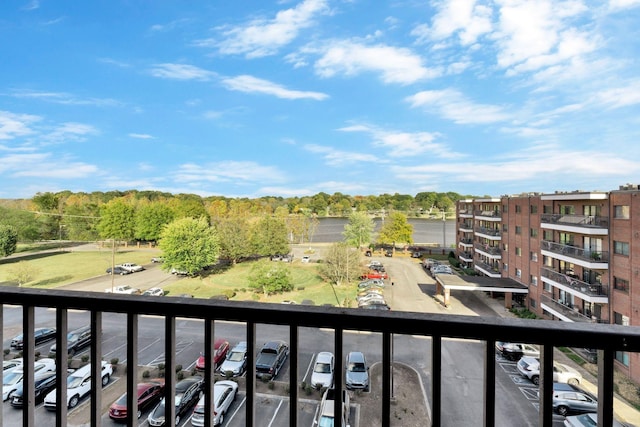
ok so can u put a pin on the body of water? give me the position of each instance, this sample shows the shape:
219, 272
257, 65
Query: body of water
425, 231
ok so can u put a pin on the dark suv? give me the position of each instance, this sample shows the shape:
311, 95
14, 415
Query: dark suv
76, 340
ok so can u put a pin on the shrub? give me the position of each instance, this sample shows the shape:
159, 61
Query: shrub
266, 378
146, 374
229, 293
84, 358
271, 385
308, 389
180, 376
7, 351
114, 360
178, 368
300, 288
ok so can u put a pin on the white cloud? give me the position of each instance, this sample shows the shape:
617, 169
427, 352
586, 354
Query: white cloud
64, 98
68, 132
263, 37
252, 84
623, 4
238, 172
622, 96
45, 165
335, 157
452, 105
466, 18
394, 64
181, 72
14, 125
141, 136
405, 144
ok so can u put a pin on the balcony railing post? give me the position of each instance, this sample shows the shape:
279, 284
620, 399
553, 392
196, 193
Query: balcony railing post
62, 358
436, 382
28, 363
605, 387
387, 367
545, 399
1, 340
96, 368
251, 372
337, 381
209, 367
169, 370
490, 384
293, 376
132, 369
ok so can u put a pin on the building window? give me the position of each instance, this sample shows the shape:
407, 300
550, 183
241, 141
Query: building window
518, 273
546, 286
505, 228
505, 208
533, 209
548, 235
547, 261
532, 303
505, 267
533, 280
518, 251
621, 284
548, 209
533, 232
620, 319
621, 248
533, 256
518, 209
622, 357
621, 212
518, 229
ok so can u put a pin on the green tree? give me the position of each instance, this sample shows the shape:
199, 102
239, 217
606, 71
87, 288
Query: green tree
269, 237
359, 229
189, 244
117, 220
396, 229
270, 277
302, 227
234, 238
8, 240
341, 264
23, 222
23, 272
150, 219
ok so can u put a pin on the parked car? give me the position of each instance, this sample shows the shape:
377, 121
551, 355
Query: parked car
188, 393
357, 371
440, 269
123, 289
40, 335
375, 305
326, 413
224, 393
371, 283
118, 270
220, 350
373, 274
514, 351
132, 267
9, 366
370, 291
427, 263
305, 258
154, 292
271, 358
530, 367
322, 375
573, 401
416, 254
149, 394
369, 297
157, 259
78, 386
13, 380
589, 419
43, 383
388, 253
76, 340
179, 272
236, 360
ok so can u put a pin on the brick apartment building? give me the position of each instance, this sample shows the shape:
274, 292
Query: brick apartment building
577, 252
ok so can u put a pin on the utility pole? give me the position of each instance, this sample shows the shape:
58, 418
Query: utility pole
444, 232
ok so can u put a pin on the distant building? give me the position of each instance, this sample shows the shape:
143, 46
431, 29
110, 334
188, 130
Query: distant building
577, 252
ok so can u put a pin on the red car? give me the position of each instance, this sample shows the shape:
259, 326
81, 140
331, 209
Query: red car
373, 274
221, 348
149, 394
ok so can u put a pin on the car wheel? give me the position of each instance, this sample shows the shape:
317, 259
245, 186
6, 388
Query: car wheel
139, 413
221, 419
535, 379
573, 381
73, 402
105, 380
563, 410
177, 420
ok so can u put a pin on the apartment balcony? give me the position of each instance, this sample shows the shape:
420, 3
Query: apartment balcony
465, 213
487, 269
488, 215
466, 242
466, 227
488, 233
492, 252
565, 312
593, 260
608, 339
592, 292
466, 256
581, 224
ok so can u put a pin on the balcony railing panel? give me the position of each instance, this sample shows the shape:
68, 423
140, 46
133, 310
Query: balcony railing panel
591, 289
571, 312
495, 214
576, 220
491, 250
575, 252
607, 338
488, 231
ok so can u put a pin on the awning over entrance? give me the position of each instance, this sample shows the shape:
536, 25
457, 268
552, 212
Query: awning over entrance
445, 283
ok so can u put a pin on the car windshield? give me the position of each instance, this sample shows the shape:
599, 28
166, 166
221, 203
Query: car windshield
178, 398
12, 378
325, 422
357, 367
236, 356
74, 382
322, 368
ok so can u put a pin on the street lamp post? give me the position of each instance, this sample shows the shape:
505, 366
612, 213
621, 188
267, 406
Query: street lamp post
444, 232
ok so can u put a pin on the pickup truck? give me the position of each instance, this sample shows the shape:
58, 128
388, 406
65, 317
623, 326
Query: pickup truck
271, 358
326, 414
123, 289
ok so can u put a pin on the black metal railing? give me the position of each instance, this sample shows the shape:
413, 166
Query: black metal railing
488, 213
488, 231
591, 289
548, 334
570, 311
575, 252
488, 249
591, 221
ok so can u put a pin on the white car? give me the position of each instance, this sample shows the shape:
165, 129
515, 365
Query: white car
224, 393
13, 380
530, 367
78, 386
586, 420
322, 375
236, 360
132, 267
11, 365
306, 259
368, 297
155, 292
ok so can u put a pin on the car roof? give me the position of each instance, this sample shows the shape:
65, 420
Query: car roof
324, 356
184, 384
356, 356
241, 346
218, 343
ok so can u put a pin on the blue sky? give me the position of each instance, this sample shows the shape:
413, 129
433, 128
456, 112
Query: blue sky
291, 98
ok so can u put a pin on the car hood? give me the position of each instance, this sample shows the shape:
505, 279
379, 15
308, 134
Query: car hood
232, 366
357, 377
319, 378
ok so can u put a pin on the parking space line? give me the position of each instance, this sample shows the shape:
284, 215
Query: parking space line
309, 367
275, 414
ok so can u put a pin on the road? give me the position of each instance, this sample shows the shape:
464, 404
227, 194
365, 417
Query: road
412, 290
